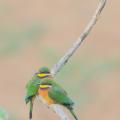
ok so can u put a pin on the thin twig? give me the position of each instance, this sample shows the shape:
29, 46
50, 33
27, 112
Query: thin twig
56, 68
58, 110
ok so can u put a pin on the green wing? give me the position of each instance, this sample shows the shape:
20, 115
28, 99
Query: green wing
32, 88
60, 96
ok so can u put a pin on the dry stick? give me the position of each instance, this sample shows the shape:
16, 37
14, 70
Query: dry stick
56, 68
58, 110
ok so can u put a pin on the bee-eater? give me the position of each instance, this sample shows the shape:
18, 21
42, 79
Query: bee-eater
32, 87
53, 93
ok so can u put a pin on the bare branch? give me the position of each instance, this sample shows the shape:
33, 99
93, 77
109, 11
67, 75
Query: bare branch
56, 68
58, 110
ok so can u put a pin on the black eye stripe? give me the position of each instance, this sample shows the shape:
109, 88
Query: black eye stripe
45, 72
47, 84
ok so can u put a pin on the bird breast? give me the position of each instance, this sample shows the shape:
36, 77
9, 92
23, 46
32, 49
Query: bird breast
43, 93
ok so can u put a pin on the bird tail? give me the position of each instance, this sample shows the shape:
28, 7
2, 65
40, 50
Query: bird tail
31, 109
73, 113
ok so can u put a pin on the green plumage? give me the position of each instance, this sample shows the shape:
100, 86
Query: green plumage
31, 92
32, 85
32, 88
55, 91
59, 95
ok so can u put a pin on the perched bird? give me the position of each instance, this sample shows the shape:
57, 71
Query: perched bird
52, 93
32, 87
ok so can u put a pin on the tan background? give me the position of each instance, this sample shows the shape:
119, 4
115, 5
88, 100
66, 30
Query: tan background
34, 33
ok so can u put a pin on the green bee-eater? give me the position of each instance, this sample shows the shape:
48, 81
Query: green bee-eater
32, 87
53, 93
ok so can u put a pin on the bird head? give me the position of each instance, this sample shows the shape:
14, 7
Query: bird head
44, 72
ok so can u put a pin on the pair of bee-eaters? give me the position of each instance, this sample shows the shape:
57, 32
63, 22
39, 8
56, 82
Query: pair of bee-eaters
43, 84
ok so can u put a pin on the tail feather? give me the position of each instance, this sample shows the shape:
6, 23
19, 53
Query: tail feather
30, 115
31, 109
73, 113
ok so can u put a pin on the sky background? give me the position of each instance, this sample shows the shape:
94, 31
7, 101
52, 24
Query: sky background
35, 33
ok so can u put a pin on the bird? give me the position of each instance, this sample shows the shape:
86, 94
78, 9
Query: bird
32, 87
52, 93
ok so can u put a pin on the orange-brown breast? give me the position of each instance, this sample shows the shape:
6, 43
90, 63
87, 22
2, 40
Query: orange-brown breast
44, 93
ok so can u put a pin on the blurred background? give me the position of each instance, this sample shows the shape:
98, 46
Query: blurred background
35, 33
